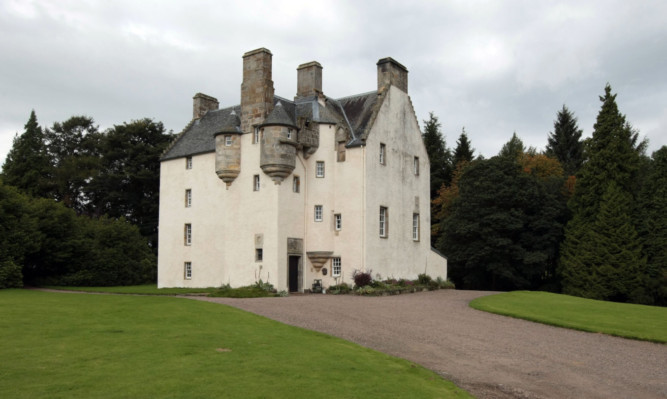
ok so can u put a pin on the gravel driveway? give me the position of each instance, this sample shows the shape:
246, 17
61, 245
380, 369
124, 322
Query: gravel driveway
491, 356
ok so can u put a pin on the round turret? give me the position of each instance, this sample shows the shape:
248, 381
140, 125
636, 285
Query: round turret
228, 149
279, 142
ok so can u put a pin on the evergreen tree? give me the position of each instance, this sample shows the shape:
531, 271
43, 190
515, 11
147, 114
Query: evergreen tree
513, 149
652, 228
609, 259
565, 142
27, 165
438, 154
613, 161
463, 151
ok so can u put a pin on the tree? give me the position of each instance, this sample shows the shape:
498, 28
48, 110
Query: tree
438, 154
504, 228
611, 170
18, 235
441, 206
513, 148
565, 142
652, 227
128, 184
463, 151
609, 259
27, 166
73, 152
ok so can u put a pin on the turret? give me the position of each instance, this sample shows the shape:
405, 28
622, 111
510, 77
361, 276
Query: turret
279, 142
228, 149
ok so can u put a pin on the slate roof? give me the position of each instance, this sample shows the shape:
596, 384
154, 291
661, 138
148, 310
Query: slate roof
355, 112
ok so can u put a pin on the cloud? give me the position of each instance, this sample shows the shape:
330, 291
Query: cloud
494, 67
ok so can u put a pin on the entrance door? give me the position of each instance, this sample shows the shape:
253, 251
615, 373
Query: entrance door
294, 273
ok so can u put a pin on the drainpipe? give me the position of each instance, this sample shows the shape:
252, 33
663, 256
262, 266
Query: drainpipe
363, 209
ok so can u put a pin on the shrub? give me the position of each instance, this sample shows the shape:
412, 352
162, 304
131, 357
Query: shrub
424, 279
339, 289
362, 279
10, 275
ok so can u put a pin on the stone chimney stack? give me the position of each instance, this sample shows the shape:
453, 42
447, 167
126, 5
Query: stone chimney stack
391, 72
201, 104
256, 89
309, 79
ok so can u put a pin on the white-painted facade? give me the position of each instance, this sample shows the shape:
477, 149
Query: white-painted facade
231, 222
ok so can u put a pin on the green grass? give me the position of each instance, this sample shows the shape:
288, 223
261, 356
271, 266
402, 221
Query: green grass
647, 323
60, 345
147, 289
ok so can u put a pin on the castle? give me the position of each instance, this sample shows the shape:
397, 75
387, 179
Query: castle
293, 191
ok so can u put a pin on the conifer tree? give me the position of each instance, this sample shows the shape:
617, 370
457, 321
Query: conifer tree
513, 149
565, 142
463, 151
614, 266
438, 154
611, 170
27, 166
652, 228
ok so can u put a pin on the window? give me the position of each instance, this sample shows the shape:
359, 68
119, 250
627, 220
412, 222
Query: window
296, 184
187, 270
335, 267
415, 227
318, 213
188, 234
416, 166
341, 152
188, 198
384, 226
255, 137
259, 254
383, 149
188, 163
255, 185
319, 169
289, 134
228, 141
338, 221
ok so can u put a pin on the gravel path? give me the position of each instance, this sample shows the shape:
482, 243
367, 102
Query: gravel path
491, 356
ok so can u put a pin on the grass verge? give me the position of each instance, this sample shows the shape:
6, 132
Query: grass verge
60, 345
647, 323
147, 289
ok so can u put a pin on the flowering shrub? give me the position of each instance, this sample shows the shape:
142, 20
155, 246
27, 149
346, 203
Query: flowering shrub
362, 279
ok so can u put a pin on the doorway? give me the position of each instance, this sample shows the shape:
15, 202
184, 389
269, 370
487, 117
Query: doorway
294, 273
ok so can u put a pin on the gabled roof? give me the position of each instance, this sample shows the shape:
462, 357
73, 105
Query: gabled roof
354, 112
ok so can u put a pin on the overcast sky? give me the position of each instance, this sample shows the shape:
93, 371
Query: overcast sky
493, 67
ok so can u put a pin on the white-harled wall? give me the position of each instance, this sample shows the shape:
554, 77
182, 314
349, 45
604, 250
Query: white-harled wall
395, 185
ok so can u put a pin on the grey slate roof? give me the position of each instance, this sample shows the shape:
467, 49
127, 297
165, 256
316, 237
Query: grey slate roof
279, 116
355, 112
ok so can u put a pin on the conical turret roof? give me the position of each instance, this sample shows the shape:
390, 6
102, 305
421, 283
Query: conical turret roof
279, 116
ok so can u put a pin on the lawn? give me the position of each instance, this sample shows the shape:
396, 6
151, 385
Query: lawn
648, 323
146, 289
60, 345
